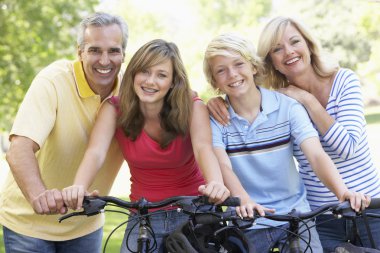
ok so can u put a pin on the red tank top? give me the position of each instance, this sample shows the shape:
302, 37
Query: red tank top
158, 173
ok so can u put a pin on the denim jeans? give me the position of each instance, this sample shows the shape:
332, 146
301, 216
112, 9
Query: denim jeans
337, 231
17, 243
262, 240
162, 223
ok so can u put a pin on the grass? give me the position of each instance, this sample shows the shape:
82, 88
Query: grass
112, 221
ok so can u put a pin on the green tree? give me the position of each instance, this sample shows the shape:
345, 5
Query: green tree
33, 34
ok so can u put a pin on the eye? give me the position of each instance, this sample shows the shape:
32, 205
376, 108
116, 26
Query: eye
219, 71
295, 41
94, 50
162, 75
239, 64
276, 49
115, 51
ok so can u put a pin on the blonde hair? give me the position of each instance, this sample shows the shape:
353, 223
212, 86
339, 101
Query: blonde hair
270, 36
176, 111
229, 44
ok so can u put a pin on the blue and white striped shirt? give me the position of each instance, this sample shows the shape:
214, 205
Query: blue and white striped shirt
345, 142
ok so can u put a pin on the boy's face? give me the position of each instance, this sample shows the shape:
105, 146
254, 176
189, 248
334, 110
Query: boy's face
232, 74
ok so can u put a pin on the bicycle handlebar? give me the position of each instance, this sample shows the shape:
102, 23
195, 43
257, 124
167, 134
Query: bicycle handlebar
96, 205
343, 209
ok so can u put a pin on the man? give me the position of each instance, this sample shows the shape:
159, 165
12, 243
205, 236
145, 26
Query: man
48, 140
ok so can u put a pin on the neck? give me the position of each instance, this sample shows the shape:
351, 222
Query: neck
103, 92
248, 105
150, 111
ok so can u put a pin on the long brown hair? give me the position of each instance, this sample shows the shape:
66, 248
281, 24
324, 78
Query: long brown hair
176, 111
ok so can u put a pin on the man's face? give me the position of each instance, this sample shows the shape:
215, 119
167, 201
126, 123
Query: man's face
102, 56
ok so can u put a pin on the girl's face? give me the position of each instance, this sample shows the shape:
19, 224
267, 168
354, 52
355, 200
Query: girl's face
152, 84
233, 75
291, 54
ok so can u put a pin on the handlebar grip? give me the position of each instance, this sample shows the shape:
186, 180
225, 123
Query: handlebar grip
212, 218
375, 203
206, 218
231, 201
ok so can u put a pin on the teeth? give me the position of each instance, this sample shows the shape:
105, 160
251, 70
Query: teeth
235, 84
292, 60
103, 71
149, 89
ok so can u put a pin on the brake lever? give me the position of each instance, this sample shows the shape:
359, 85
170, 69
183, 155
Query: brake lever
66, 216
344, 210
91, 206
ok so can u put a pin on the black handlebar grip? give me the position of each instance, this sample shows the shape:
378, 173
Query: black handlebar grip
231, 201
375, 203
206, 218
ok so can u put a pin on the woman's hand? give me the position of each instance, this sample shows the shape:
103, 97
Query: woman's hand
217, 108
295, 93
73, 196
215, 191
358, 200
248, 207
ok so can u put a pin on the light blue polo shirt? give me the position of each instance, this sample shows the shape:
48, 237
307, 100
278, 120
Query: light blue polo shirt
261, 153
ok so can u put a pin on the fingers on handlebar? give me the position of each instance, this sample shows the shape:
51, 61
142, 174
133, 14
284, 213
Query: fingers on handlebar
49, 202
73, 196
216, 192
358, 201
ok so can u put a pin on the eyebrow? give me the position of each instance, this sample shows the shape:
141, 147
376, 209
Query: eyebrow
112, 48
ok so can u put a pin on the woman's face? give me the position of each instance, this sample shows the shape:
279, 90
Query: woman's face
152, 84
233, 75
291, 54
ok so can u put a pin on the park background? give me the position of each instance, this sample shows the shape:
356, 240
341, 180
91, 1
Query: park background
35, 33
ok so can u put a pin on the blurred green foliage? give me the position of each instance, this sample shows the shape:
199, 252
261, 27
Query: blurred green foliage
33, 34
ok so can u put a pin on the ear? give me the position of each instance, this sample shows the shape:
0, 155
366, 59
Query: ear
254, 70
79, 52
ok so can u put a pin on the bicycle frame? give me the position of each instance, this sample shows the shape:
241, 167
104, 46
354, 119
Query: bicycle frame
96, 205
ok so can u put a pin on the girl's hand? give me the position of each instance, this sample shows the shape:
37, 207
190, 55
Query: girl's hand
215, 191
73, 196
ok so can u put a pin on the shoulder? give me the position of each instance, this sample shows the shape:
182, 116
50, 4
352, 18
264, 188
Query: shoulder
58, 67
344, 75
345, 80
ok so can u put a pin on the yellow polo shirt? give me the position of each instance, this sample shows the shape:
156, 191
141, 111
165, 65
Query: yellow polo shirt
58, 113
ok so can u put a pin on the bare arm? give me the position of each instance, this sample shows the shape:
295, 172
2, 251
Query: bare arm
232, 182
200, 132
100, 140
326, 171
25, 169
218, 109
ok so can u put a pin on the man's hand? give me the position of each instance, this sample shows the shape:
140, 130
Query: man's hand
49, 202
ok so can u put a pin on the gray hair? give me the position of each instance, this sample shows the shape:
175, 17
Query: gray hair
101, 19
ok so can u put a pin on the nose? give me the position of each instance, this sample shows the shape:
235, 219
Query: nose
232, 72
149, 79
288, 49
104, 58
